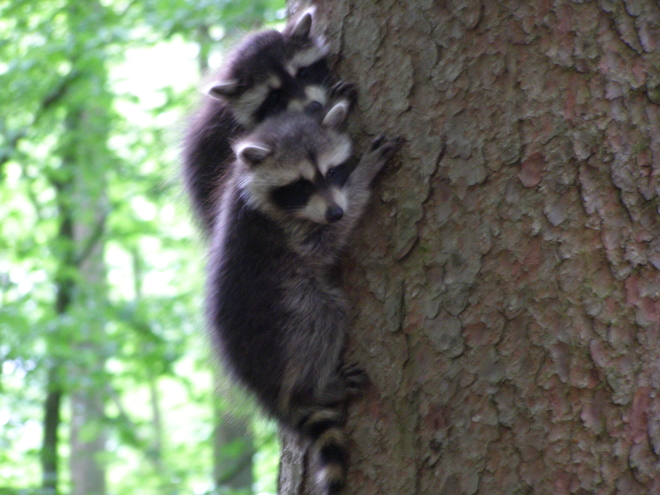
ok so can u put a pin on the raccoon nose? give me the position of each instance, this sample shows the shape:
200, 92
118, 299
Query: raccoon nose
313, 107
333, 214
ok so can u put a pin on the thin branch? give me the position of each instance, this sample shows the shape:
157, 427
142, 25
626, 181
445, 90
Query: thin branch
57, 94
51, 99
11, 147
91, 241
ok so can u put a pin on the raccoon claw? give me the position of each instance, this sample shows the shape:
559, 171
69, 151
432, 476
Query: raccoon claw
380, 152
346, 90
356, 379
387, 147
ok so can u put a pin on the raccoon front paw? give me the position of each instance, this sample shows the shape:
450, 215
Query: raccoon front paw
355, 378
378, 154
344, 90
386, 147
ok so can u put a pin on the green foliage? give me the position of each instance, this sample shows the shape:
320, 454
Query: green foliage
93, 97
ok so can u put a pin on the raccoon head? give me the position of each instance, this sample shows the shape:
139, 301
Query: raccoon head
272, 72
294, 168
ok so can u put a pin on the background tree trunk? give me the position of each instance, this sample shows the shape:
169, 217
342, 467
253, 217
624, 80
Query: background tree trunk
505, 281
88, 396
65, 284
87, 158
51, 422
233, 445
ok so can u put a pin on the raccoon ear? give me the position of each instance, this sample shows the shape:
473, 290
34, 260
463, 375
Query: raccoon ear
223, 88
303, 26
336, 115
252, 153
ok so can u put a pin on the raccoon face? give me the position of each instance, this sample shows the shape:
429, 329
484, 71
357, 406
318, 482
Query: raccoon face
314, 196
298, 175
296, 88
272, 72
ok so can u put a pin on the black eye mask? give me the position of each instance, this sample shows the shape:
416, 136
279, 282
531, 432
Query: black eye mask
316, 73
293, 196
337, 176
275, 103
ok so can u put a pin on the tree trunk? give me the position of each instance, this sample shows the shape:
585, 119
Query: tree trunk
65, 284
232, 471
54, 390
233, 446
87, 427
52, 419
80, 188
85, 159
89, 392
505, 280
87, 443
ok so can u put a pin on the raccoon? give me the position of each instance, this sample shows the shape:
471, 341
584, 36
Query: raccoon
268, 73
275, 306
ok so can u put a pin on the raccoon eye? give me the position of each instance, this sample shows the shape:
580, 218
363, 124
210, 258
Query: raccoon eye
316, 73
293, 196
274, 99
337, 176
274, 103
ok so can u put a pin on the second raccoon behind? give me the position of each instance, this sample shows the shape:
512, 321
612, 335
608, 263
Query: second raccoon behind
277, 312
268, 73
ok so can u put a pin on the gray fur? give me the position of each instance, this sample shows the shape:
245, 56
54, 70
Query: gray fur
269, 72
275, 305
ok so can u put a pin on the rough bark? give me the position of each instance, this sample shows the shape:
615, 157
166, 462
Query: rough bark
505, 280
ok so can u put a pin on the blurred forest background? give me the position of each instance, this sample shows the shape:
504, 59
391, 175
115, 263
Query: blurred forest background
106, 380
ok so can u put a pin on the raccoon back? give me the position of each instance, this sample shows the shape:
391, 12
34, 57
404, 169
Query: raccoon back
207, 155
243, 293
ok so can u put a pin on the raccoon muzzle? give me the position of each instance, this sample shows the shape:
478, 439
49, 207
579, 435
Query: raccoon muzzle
334, 214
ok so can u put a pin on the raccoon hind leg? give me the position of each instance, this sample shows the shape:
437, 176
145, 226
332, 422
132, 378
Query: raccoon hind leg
355, 379
350, 382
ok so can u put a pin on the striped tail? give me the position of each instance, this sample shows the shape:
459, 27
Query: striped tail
328, 450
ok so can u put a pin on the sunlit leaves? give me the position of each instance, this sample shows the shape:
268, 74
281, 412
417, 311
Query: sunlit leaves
106, 85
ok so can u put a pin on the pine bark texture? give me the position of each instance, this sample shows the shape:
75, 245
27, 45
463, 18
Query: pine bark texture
505, 279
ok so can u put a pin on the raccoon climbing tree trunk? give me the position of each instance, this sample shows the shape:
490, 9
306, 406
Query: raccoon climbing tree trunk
505, 280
